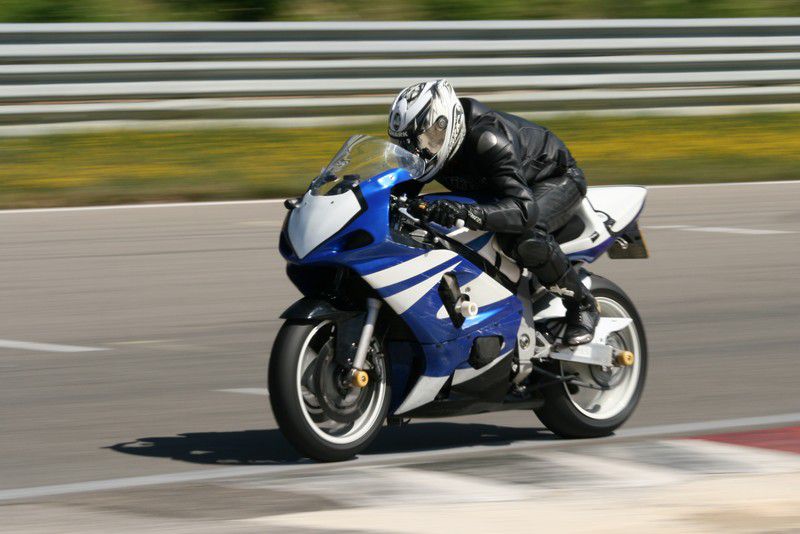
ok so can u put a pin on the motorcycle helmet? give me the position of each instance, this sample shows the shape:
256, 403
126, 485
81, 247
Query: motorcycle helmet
428, 120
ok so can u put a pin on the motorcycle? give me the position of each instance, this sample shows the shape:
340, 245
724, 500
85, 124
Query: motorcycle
403, 318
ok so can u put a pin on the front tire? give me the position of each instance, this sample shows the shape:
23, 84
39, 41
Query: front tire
318, 413
571, 411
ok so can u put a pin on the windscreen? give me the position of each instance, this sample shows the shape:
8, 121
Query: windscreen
361, 158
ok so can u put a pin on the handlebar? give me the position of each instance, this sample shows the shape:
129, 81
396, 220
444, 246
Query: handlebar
416, 214
419, 210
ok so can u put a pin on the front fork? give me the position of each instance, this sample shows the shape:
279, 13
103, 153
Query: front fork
359, 377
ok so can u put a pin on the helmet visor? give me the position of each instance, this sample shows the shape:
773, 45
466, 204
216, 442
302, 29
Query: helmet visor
432, 138
426, 137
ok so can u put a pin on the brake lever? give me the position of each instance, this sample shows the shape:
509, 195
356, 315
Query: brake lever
411, 213
405, 207
416, 213
422, 208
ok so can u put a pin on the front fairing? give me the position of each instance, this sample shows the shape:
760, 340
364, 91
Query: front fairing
405, 276
320, 229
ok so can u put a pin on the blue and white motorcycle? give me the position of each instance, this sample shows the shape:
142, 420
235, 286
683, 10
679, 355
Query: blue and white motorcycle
402, 318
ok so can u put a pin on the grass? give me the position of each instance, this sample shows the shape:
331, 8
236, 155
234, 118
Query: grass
115, 167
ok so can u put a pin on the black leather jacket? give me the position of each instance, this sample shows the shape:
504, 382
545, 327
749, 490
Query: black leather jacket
503, 156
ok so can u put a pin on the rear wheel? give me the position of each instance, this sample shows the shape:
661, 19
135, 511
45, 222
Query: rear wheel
572, 411
319, 411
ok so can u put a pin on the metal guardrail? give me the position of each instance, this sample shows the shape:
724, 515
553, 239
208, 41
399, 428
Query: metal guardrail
62, 73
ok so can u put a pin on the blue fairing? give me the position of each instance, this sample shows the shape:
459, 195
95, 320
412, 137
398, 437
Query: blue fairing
444, 347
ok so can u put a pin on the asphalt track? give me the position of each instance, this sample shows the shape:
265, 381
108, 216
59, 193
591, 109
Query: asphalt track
183, 300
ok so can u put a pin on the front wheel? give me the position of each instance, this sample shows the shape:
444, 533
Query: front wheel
321, 414
571, 411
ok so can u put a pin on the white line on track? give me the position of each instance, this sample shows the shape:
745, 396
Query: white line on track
710, 426
44, 347
246, 391
366, 460
725, 184
726, 230
717, 229
278, 200
143, 206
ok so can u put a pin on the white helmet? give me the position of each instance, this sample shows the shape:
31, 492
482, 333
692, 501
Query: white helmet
428, 119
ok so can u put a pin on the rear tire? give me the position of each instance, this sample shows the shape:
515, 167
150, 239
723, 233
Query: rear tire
580, 413
294, 379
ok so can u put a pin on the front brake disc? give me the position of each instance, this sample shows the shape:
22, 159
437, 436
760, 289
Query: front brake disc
339, 401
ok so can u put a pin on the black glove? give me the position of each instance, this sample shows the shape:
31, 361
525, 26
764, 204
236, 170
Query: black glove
447, 212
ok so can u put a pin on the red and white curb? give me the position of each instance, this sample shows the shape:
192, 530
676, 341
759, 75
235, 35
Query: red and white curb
736, 482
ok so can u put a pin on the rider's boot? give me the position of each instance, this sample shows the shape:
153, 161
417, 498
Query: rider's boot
540, 253
582, 313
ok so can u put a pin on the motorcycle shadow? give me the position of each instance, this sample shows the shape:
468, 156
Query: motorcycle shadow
266, 447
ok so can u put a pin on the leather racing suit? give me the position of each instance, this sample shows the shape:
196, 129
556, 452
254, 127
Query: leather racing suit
531, 174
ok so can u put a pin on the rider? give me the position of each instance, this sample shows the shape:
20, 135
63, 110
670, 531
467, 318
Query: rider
535, 181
